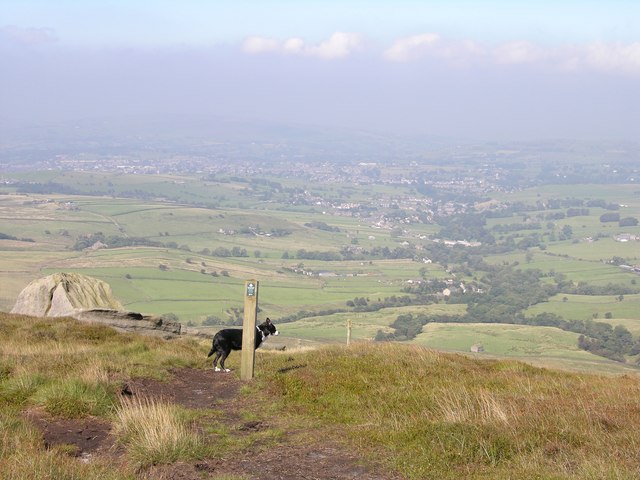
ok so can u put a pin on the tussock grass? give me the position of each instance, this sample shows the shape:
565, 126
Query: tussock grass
23, 458
75, 398
155, 432
436, 415
419, 412
71, 369
74, 369
14, 433
30, 464
16, 390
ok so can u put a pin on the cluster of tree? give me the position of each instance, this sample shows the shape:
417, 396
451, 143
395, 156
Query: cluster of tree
614, 343
577, 212
113, 241
405, 327
628, 222
5, 236
602, 204
233, 252
430, 286
307, 313
598, 338
362, 304
515, 227
322, 226
466, 227
280, 232
327, 256
235, 317
608, 289
610, 217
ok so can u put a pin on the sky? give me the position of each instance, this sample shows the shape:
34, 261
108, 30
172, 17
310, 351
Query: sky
491, 70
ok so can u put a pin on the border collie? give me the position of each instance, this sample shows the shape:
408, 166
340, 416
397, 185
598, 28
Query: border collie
231, 339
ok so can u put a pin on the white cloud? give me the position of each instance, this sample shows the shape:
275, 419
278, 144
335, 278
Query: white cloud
597, 56
260, 45
339, 45
293, 46
518, 52
613, 57
604, 57
410, 48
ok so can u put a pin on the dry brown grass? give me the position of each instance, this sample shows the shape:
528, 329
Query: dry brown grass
155, 432
435, 415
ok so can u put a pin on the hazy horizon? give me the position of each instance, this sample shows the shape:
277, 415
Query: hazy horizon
481, 70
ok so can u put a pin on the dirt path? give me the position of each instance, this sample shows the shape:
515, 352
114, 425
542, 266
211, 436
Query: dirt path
295, 455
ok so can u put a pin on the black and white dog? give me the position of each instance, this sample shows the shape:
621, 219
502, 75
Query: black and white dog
231, 339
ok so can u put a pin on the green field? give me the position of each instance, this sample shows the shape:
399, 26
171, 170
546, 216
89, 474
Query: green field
582, 307
192, 219
543, 346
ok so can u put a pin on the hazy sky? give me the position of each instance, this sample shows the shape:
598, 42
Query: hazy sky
481, 69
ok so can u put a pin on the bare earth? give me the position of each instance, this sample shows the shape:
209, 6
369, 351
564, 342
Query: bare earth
295, 455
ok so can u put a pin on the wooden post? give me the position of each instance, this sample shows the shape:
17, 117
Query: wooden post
348, 332
247, 362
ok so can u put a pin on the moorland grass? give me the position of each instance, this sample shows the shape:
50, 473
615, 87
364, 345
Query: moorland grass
69, 369
155, 432
433, 415
415, 411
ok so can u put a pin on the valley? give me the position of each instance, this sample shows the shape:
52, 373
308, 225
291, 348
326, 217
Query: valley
371, 242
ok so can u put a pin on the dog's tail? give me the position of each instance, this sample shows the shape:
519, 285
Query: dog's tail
213, 350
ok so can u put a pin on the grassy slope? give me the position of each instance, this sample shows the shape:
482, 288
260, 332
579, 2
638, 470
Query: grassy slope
421, 413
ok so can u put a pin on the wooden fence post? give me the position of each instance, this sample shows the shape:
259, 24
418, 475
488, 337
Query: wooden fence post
348, 332
247, 363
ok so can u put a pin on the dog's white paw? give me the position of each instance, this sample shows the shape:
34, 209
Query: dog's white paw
217, 369
227, 370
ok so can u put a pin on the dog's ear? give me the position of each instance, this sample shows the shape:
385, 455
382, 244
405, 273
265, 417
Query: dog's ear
268, 321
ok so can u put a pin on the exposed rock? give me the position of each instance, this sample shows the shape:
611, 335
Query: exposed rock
65, 294
132, 322
87, 299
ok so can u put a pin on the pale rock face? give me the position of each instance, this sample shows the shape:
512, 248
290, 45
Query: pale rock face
87, 299
63, 294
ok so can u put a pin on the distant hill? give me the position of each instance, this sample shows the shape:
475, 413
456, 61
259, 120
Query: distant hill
207, 135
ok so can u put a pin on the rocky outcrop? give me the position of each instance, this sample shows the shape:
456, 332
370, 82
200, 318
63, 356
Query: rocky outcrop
132, 322
87, 299
65, 294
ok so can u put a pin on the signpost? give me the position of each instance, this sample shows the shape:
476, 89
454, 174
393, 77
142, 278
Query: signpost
247, 362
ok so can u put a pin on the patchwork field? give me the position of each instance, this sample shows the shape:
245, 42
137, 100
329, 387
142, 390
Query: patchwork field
205, 238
